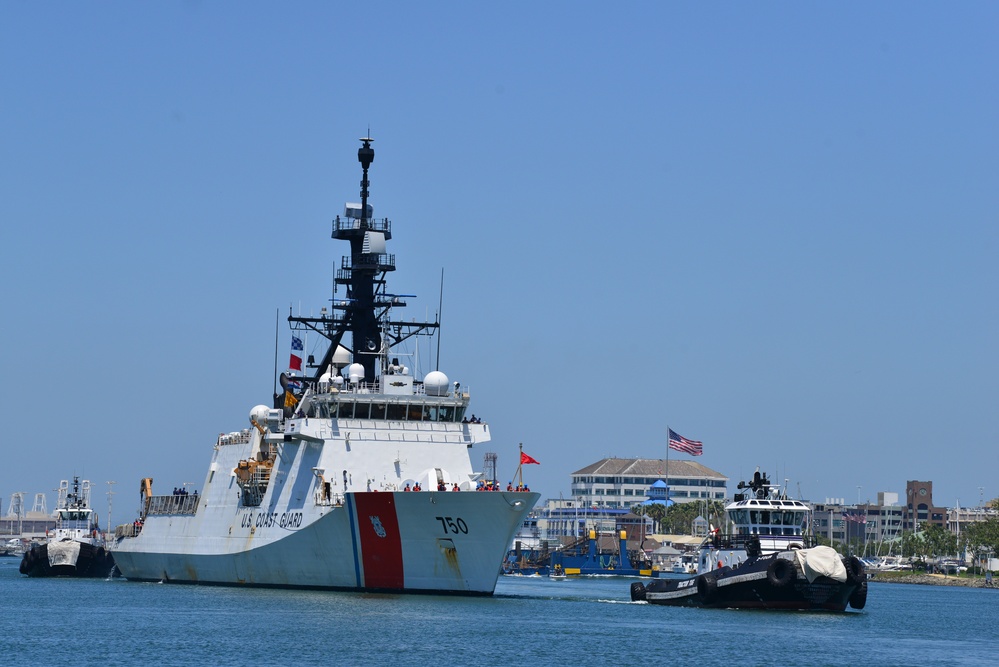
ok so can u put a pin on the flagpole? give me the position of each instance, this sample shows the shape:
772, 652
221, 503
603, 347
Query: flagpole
520, 467
277, 315
667, 466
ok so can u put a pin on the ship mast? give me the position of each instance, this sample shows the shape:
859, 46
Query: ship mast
364, 312
364, 265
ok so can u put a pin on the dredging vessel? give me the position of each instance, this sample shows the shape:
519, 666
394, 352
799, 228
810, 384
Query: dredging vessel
769, 562
358, 476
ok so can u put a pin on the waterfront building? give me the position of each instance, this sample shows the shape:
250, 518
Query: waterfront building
562, 520
828, 521
624, 483
865, 523
960, 518
883, 522
23, 522
604, 494
31, 525
919, 506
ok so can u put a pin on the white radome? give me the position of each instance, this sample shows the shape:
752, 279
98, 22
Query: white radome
436, 383
258, 414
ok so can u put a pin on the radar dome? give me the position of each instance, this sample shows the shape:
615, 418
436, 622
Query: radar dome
259, 414
341, 357
355, 373
435, 383
324, 381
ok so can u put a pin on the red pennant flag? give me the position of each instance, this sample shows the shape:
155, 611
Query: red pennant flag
524, 458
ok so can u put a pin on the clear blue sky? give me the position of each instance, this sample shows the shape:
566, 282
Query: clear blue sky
772, 227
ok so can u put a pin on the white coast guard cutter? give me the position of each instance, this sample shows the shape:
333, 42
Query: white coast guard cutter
315, 492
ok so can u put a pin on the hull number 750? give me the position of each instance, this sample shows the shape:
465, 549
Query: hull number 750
453, 525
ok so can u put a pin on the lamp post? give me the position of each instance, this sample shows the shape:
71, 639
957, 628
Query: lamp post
110, 493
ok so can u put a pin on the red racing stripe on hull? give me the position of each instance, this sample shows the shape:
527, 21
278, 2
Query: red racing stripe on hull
381, 546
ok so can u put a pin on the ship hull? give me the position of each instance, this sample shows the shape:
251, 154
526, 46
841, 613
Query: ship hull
753, 585
436, 542
67, 558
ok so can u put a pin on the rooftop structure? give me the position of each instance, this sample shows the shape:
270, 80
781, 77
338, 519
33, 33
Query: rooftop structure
624, 483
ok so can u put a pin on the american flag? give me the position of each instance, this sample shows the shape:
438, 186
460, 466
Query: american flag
681, 444
856, 518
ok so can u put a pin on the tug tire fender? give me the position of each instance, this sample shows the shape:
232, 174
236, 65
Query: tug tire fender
854, 570
637, 592
780, 573
858, 598
707, 586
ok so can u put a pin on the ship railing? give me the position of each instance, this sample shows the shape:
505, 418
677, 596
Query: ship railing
128, 529
767, 542
330, 391
380, 261
172, 504
326, 499
370, 224
237, 438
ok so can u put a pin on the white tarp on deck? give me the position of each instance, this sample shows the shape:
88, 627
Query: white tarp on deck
819, 561
63, 553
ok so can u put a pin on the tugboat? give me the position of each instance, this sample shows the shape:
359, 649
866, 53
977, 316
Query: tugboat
76, 548
358, 477
770, 562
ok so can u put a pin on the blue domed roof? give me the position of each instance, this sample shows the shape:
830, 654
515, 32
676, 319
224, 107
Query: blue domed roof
659, 501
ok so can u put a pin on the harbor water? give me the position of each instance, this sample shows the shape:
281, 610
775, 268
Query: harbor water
531, 620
